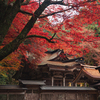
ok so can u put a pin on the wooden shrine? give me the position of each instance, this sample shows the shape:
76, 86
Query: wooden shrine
58, 69
59, 77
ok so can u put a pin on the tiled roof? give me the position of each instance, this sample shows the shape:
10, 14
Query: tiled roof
11, 87
65, 88
61, 64
48, 57
31, 82
88, 71
93, 73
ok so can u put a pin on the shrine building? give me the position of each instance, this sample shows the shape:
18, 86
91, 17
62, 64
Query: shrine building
58, 77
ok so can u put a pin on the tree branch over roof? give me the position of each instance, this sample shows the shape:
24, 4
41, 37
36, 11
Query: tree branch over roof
39, 36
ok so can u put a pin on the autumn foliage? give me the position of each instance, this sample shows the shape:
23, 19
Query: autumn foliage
60, 24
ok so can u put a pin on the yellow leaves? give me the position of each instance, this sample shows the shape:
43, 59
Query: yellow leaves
3, 74
11, 62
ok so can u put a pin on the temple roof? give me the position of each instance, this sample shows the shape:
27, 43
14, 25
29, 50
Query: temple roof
65, 88
59, 63
88, 71
11, 87
59, 58
31, 82
92, 73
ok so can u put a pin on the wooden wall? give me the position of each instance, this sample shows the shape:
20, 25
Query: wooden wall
68, 96
51, 96
31, 96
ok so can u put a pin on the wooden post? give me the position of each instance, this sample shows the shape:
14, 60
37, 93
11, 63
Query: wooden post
32, 93
85, 84
7, 96
25, 96
75, 84
63, 81
40, 96
52, 80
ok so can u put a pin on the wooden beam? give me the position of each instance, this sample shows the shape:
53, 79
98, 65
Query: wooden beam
25, 98
75, 84
7, 96
85, 85
63, 81
52, 80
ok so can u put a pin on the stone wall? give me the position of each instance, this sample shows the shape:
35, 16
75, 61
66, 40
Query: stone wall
11, 96
69, 96
49, 96
16, 97
31, 96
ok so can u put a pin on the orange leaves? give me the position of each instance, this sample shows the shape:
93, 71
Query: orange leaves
11, 62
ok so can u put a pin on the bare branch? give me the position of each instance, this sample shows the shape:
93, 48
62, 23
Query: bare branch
39, 2
39, 36
68, 4
27, 3
55, 13
24, 12
53, 36
56, 2
59, 2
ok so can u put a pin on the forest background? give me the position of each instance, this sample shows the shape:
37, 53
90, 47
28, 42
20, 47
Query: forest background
31, 27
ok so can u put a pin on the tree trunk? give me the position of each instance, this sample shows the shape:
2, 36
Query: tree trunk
7, 15
9, 48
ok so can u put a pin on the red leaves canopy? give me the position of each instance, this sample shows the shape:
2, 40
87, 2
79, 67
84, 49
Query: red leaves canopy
69, 21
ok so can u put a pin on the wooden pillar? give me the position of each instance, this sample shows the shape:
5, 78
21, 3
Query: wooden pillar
25, 96
85, 84
75, 84
32, 93
40, 96
63, 81
52, 80
7, 96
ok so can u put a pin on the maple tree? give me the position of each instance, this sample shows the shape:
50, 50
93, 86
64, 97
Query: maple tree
26, 25
93, 57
